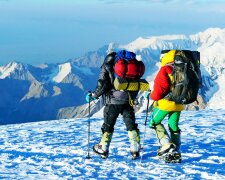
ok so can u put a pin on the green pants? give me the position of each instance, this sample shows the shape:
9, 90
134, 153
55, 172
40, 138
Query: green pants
173, 118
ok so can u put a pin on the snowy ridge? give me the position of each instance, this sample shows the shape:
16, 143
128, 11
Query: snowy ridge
58, 149
211, 44
154, 43
64, 70
8, 69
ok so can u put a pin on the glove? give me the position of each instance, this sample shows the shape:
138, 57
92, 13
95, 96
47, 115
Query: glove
89, 97
147, 94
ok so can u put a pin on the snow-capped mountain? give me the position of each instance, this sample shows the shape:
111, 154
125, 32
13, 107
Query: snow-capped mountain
52, 91
32, 93
16, 70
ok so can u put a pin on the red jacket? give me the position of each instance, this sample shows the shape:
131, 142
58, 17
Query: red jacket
161, 88
162, 83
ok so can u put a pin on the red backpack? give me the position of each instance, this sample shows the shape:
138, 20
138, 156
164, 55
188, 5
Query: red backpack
127, 66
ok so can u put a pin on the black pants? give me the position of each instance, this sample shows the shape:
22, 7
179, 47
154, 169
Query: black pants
111, 113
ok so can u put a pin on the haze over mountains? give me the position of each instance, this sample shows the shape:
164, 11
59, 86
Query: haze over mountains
53, 91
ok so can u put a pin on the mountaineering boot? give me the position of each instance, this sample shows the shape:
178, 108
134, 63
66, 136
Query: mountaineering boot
134, 139
163, 137
166, 148
170, 155
176, 139
103, 147
167, 151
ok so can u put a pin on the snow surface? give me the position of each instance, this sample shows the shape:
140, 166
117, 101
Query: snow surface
64, 70
218, 99
6, 70
58, 149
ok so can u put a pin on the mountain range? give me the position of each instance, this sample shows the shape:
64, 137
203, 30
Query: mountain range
54, 91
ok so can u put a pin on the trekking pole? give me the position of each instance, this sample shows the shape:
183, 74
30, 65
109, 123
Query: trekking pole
89, 127
146, 118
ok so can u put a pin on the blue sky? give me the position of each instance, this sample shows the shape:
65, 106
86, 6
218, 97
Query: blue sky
39, 31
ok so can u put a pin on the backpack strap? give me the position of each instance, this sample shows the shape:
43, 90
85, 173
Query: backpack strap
126, 68
131, 101
127, 84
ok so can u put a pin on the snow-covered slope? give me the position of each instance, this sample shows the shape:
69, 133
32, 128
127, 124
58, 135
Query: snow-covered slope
58, 149
64, 70
218, 98
6, 70
16, 70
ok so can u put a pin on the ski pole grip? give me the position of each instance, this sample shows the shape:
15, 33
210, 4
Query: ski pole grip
89, 93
